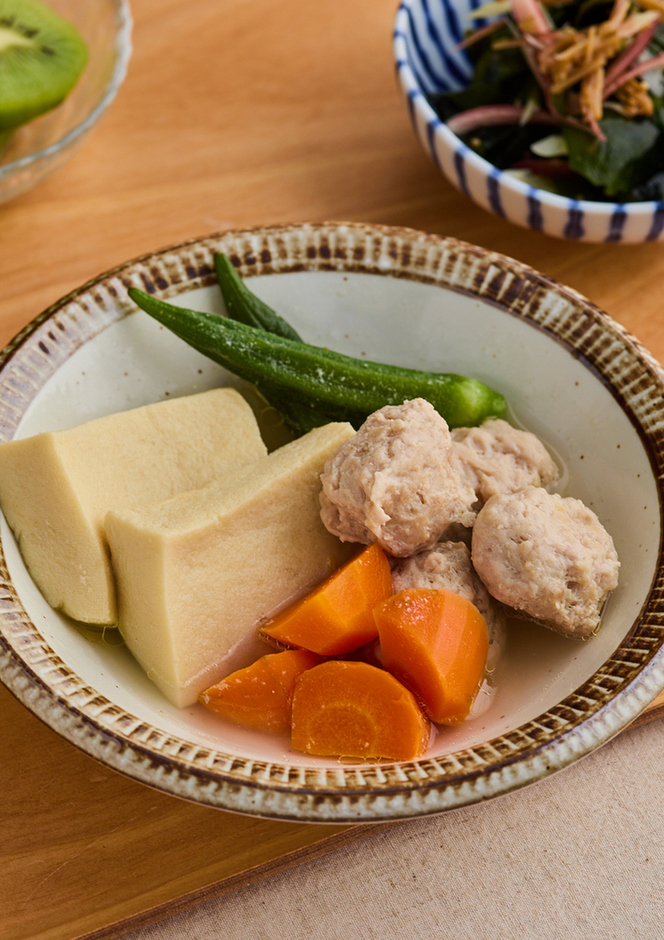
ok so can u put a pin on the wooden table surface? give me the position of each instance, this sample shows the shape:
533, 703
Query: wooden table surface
233, 114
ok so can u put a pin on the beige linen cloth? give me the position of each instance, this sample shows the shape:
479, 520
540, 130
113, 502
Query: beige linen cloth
578, 856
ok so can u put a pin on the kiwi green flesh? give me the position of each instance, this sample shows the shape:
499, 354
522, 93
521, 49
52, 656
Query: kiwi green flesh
42, 56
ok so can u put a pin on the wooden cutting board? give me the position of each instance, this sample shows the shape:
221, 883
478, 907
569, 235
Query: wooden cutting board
88, 853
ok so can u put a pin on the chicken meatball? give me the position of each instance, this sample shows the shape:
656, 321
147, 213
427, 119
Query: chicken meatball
448, 565
547, 556
498, 458
394, 481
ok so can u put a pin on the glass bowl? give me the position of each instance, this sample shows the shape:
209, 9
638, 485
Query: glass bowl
38, 148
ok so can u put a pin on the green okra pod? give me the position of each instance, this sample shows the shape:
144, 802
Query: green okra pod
244, 306
333, 386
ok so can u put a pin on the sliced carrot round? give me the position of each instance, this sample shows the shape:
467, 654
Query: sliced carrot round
436, 642
260, 695
355, 710
337, 616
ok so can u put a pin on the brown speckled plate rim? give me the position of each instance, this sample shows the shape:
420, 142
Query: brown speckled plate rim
616, 694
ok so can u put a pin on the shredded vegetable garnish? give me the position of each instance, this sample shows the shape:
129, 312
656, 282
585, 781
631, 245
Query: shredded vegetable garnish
589, 68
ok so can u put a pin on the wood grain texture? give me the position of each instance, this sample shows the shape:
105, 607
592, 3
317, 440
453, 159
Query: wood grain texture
233, 114
84, 848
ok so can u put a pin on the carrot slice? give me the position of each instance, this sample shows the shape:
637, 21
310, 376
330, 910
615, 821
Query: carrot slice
436, 643
260, 695
352, 709
337, 616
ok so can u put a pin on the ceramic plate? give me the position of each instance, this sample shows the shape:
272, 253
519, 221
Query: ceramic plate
570, 374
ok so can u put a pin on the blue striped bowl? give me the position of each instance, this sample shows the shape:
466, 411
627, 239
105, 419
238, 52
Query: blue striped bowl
426, 38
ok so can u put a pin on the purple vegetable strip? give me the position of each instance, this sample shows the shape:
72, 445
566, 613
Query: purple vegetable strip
492, 115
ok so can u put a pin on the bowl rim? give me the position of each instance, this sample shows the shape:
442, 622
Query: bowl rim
123, 48
585, 720
416, 96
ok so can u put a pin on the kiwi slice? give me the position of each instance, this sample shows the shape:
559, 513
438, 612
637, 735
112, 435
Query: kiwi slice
41, 58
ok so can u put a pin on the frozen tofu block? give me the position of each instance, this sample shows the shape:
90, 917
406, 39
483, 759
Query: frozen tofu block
197, 573
56, 487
